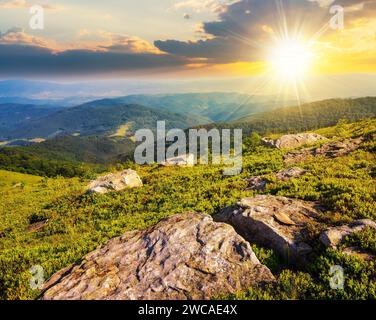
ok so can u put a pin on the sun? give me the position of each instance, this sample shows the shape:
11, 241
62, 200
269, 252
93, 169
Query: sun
290, 60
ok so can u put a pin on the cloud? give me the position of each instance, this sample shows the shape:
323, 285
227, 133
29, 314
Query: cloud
203, 5
23, 60
17, 35
16, 4
245, 28
242, 32
22, 54
115, 42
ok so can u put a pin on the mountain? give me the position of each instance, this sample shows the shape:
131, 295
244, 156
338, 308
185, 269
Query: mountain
100, 118
308, 116
12, 115
214, 107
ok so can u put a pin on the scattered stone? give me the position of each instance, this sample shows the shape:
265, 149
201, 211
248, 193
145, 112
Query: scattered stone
37, 226
333, 149
115, 182
277, 223
17, 185
359, 253
288, 174
186, 256
259, 183
186, 160
332, 237
292, 141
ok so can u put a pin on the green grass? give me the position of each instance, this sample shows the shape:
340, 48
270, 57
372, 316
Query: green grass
78, 223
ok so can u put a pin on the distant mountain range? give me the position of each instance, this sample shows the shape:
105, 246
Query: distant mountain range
101, 119
106, 116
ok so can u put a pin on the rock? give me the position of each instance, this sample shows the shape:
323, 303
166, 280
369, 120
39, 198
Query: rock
259, 183
291, 141
290, 173
186, 160
277, 223
332, 237
186, 256
334, 149
37, 226
359, 253
284, 219
115, 182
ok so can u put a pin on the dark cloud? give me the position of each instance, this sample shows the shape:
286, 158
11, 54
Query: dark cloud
26, 60
245, 28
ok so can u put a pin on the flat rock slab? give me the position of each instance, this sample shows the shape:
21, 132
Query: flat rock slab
329, 150
186, 256
334, 236
277, 223
115, 182
291, 141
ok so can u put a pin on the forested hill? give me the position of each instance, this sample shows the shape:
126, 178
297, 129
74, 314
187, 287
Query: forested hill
309, 116
103, 119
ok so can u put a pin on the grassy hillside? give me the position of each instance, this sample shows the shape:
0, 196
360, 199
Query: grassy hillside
99, 119
78, 223
309, 116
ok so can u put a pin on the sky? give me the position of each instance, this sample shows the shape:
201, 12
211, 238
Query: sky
189, 39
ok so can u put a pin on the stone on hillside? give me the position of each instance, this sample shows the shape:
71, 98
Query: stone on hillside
290, 173
185, 160
291, 141
332, 237
186, 256
329, 150
259, 183
278, 223
359, 253
115, 182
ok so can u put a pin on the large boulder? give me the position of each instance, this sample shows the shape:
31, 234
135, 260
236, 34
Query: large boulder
332, 237
186, 256
292, 141
278, 223
115, 182
332, 149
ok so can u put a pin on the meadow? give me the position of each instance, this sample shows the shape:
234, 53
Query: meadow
76, 222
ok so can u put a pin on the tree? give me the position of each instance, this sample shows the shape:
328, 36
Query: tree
252, 142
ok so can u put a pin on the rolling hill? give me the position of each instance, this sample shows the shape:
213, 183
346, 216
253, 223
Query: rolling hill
309, 116
12, 114
99, 118
213, 107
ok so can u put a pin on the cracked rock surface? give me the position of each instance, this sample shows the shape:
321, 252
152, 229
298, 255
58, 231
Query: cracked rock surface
277, 223
186, 256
